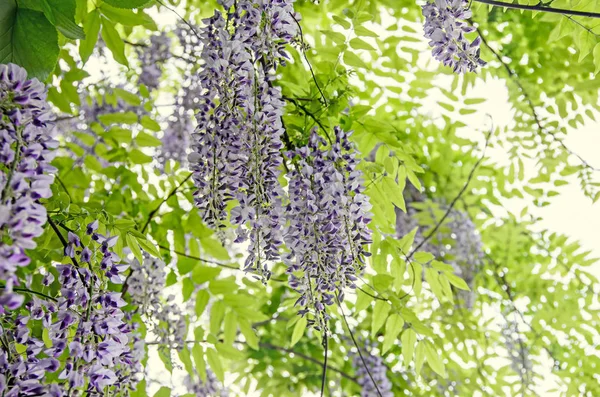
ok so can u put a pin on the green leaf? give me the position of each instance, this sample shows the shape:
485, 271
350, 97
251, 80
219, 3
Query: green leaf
419, 357
148, 122
198, 356
360, 44
351, 59
127, 17
46, 338
184, 356
91, 27
392, 329
362, 31
216, 317
119, 118
457, 281
61, 13
148, 247
163, 392
408, 339
128, 97
229, 327
202, 274
138, 157
134, 247
345, 24
380, 313
215, 363
381, 282
113, 41
586, 43
147, 140
27, 39
127, 3
248, 332
298, 332
596, 54
201, 301
434, 360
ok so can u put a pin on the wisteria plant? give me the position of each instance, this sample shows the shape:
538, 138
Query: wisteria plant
295, 198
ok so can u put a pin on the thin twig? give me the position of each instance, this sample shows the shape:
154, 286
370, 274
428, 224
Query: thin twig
451, 206
307, 61
324, 376
28, 291
540, 7
61, 238
358, 348
182, 18
173, 192
199, 259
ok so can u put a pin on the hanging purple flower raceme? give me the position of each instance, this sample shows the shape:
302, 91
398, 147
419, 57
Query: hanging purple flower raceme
376, 369
84, 326
226, 81
211, 388
151, 58
328, 217
238, 140
165, 317
176, 139
265, 28
26, 149
445, 28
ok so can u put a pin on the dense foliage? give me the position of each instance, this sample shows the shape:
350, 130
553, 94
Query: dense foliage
289, 198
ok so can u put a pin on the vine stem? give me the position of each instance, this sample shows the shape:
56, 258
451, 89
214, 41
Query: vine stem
324, 377
540, 8
173, 192
357, 348
458, 196
29, 291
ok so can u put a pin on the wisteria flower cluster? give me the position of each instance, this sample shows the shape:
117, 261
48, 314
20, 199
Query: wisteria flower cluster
328, 217
26, 150
86, 321
376, 369
446, 29
176, 139
236, 147
518, 351
151, 59
145, 286
211, 388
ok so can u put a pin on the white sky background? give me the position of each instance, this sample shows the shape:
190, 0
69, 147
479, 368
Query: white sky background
570, 213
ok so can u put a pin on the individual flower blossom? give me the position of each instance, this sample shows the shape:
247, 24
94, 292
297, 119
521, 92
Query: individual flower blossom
176, 140
211, 388
151, 58
445, 28
328, 217
26, 150
372, 367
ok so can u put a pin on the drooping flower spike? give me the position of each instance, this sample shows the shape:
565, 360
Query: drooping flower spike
328, 217
26, 149
446, 29
236, 147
